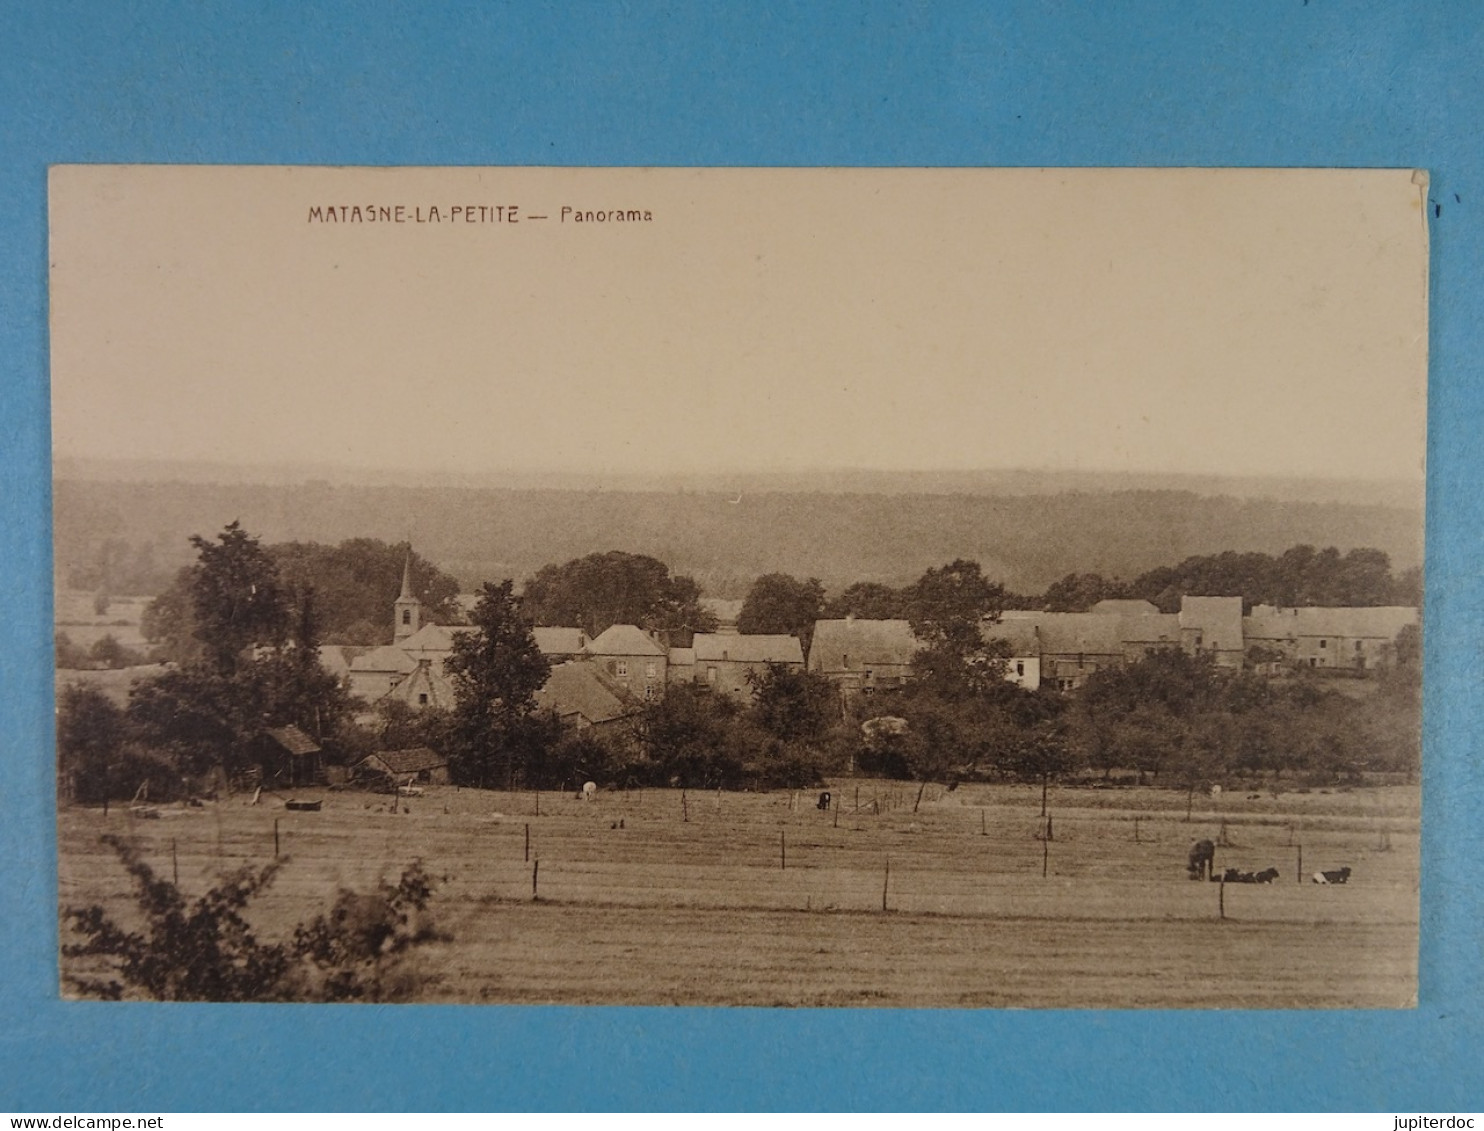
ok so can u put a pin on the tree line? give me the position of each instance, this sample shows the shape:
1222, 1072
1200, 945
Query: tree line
247, 625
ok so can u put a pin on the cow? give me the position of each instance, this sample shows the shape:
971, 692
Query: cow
1202, 860
1339, 876
1266, 876
823, 804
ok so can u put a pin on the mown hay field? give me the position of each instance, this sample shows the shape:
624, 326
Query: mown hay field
664, 897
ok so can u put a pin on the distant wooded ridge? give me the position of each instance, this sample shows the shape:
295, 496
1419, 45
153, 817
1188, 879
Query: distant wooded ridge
726, 539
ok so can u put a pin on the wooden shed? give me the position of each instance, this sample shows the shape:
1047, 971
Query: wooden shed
417, 764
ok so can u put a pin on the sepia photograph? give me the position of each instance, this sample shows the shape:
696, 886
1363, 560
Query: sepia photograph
929, 588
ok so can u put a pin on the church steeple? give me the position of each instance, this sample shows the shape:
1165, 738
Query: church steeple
408, 610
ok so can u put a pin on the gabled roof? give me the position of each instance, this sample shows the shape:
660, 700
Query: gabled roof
387, 658
580, 688
559, 641
292, 739
411, 761
1078, 634
864, 642
1021, 635
427, 680
761, 648
433, 639
624, 640
1124, 606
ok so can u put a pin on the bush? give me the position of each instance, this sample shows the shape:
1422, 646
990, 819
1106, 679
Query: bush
207, 950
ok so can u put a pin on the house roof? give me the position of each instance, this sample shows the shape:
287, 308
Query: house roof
580, 688
1268, 623
863, 642
1066, 633
292, 739
559, 641
336, 658
433, 639
425, 679
1124, 606
682, 657
1218, 619
1022, 636
624, 640
387, 658
411, 761
761, 648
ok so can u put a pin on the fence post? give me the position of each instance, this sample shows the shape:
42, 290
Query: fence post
275, 838
174, 864
1298, 874
886, 883
1221, 898
684, 807
782, 850
528, 842
535, 870
983, 830
1045, 855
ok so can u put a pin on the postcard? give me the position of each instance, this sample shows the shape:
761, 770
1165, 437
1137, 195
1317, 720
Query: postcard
802, 587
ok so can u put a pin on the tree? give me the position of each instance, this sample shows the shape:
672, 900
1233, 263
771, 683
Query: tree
778, 603
496, 671
258, 665
948, 608
90, 736
868, 600
354, 583
601, 590
697, 739
792, 704
237, 598
1078, 592
207, 950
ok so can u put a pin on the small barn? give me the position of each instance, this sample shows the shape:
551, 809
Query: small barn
418, 764
287, 756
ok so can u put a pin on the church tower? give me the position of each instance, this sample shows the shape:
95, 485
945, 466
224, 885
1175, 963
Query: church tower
408, 611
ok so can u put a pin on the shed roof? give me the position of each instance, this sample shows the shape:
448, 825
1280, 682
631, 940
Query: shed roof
425, 679
292, 739
413, 760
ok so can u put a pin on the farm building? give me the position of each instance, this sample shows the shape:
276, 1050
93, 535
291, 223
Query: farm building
581, 695
286, 756
633, 658
725, 661
417, 764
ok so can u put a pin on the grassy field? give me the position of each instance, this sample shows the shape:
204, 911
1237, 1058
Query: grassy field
654, 897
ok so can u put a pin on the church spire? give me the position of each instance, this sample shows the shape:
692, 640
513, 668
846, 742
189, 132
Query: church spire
407, 612
406, 576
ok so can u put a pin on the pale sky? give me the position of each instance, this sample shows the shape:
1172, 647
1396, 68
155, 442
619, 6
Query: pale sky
1240, 322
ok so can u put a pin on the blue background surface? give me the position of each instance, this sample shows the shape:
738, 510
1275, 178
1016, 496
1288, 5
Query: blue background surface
1286, 82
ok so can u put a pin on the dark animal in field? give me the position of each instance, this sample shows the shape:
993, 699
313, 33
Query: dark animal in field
1266, 876
1202, 860
823, 804
1339, 876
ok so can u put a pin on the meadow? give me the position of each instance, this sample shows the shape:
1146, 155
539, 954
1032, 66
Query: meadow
951, 899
